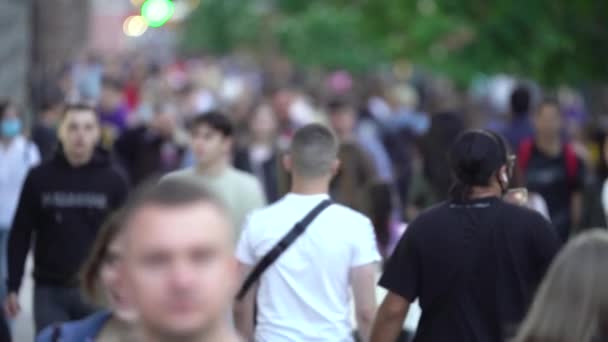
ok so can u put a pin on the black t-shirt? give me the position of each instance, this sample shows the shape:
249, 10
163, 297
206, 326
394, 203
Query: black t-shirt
548, 176
474, 267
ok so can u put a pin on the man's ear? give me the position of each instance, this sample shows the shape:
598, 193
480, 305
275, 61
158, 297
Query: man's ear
335, 167
287, 162
504, 176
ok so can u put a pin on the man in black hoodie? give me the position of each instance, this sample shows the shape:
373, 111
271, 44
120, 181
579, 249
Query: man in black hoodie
62, 203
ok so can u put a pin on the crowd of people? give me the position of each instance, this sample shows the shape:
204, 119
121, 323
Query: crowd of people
151, 195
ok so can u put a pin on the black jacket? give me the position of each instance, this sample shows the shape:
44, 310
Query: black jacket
593, 207
64, 206
268, 173
146, 154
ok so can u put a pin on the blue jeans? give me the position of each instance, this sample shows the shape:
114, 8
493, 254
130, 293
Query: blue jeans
54, 304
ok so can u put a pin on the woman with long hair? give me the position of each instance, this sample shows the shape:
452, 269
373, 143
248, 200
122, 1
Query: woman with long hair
99, 279
572, 302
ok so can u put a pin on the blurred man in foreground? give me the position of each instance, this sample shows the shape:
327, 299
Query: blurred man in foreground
179, 267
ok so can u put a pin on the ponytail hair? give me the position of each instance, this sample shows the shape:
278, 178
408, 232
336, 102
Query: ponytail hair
475, 156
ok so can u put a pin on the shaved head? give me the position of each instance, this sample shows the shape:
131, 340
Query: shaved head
314, 151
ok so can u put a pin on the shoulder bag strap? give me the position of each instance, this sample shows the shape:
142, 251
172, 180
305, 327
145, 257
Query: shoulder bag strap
281, 247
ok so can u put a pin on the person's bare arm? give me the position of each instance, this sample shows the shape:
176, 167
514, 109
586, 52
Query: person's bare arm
363, 282
244, 310
390, 317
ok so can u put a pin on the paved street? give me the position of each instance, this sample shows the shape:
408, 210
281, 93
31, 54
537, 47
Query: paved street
23, 326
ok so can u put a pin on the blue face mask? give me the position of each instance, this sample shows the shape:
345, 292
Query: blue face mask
10, 127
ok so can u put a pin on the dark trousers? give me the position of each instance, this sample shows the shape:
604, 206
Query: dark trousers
5, 334
58, 304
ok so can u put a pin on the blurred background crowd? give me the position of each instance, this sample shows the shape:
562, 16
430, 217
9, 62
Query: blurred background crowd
396, 80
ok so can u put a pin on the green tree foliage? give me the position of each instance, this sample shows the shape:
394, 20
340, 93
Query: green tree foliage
552, 41
326, 36
220, 26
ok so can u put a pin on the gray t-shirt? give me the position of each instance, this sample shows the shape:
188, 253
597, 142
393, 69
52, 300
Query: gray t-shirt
240, 192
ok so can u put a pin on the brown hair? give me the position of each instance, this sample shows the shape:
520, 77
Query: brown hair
572, 302
169, 192
89, 275
77, 107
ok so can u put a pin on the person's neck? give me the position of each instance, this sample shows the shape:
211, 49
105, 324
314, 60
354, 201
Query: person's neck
346, 137
118, 327
214, 169
303, 186
223, 333
77, 161
262, 141
549, 145
478, 192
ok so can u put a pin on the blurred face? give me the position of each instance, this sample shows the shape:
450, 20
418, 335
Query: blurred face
110, 279
548, 121
10, 113
343, 121
264, 123
281, 103
110, 98
166, 122
10, 124
179, 268
53, 115
209, 146
79, 134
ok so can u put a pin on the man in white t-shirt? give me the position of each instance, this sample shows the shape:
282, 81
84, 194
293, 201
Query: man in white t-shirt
305, 294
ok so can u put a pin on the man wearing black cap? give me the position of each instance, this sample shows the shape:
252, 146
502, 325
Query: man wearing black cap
474, 261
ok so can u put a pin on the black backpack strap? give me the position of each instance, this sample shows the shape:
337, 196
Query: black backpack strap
281, 247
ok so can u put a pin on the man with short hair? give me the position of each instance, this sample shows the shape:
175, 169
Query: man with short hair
63, 203
304, 295
551, 168
241, 193
178, 265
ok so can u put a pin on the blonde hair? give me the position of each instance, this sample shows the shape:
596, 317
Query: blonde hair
571, 304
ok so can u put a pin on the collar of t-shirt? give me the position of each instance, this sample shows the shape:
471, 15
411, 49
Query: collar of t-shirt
305, 199
480, 203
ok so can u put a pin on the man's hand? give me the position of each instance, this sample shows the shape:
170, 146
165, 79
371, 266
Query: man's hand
11, 305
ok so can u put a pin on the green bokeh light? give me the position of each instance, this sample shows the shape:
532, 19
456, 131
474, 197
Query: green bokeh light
157, 12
